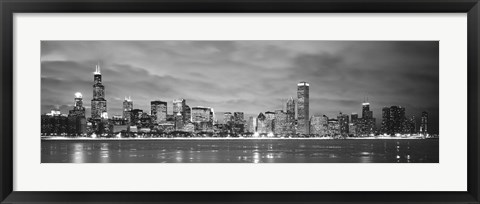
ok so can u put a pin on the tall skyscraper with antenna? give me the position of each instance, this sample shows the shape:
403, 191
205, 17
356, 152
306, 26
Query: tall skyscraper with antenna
99, 104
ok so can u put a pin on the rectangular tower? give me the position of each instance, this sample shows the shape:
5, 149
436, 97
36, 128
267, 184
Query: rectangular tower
343, 122
290, 111
424, 123
386, 121
303, 126
159, 111
127, 109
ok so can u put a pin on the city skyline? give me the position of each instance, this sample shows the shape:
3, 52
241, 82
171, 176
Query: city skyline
425, 80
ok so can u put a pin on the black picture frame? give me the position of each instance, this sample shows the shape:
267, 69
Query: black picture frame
10, 7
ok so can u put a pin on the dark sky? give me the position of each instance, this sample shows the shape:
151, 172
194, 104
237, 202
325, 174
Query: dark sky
247, 76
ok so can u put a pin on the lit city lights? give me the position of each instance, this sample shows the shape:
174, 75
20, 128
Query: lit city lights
294, 120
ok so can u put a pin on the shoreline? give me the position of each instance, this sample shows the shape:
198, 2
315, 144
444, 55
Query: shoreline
216, 138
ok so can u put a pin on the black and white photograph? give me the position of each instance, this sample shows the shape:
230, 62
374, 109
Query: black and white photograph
239, 101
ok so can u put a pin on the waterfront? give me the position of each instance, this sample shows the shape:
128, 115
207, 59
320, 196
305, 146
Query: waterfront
241, 151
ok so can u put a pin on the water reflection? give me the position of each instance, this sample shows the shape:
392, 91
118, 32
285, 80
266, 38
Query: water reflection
104, 153
241, 151
178, 156
79, 155
256, 157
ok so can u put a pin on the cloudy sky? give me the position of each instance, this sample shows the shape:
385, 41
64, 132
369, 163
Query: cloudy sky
246, 76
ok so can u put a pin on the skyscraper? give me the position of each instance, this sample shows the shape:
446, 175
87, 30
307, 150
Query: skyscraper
424, 123
202, 117
290, 111
319, 125
413, 123
366, 113
179, 121
127, 109
386, 123
78, 109
366, 125
227, 118
397, 118
238, 117
159, 111
99, 104
77, 123
354, 118
280, 122
409, 125
238, 123
252, 124
180, 106
333, 128
269, 118
187, 114
303, 108
261, 124
201, 114
352, 129
343, 123
136, 115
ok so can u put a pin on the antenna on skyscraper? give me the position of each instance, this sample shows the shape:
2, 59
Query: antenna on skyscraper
98, 64
97, 69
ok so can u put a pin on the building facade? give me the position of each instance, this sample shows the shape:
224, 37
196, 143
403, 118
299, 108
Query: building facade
397, 118
424, 123
238, 123
136, 116
54, 123
303, 105
333, 129
352, 129
386, 127
99, 104
158, 111
202, 118
180, 106
366, 124
201, 114
290, 111
227, 118
280, 123
187, 114
262, 124
354, 118
343, 121
269, 118
251, 125
179, 122
319, 125
127, 110
77, 123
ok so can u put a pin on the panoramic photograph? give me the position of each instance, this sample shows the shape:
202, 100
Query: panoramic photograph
239, 101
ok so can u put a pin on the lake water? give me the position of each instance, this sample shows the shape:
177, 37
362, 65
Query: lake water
242, 151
